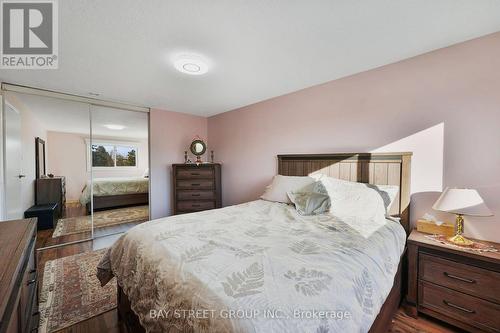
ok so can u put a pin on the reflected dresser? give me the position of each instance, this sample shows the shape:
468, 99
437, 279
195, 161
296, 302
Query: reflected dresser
51, 190
196, 187
18, 277
455, 285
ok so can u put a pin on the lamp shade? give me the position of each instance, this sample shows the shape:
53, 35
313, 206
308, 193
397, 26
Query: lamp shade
462, 201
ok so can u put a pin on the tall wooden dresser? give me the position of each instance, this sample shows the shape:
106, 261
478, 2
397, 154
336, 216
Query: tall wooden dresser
196, 187
51, 190
18, 276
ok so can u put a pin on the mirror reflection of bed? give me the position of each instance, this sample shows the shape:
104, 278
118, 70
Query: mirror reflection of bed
91, 168
120, 170
118, 203
117, 156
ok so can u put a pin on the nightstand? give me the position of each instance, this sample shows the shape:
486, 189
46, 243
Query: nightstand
454, 285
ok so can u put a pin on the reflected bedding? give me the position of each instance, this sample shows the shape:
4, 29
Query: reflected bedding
114, 186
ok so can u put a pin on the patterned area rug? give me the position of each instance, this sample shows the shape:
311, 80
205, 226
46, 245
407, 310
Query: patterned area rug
71, 292
106, 218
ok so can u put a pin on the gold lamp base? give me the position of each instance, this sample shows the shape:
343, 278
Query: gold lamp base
458, 239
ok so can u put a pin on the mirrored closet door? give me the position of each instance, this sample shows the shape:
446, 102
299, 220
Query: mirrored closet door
47, 164
120, 169
78, 165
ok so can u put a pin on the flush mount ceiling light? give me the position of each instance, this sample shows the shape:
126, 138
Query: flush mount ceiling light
114, 127
191, 64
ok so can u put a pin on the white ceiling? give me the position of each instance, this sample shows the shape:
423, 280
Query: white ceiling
71, 117
259, 48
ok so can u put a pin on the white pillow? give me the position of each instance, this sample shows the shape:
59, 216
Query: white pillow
277, 190
360, 199
387, 192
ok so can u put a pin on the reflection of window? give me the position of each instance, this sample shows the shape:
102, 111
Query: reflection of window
111, 155
125, 156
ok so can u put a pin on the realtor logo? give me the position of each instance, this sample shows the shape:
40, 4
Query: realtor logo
29, 34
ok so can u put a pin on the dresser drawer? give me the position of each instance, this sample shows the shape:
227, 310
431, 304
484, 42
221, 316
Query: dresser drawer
18, 269
187, 206
195, 195
195, 173
465, 278
28, 289
465, 308
195, 184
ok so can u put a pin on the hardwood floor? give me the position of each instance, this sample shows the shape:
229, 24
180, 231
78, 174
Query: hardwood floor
108, 322
402, 323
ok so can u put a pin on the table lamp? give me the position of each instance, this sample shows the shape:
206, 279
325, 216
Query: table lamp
461, 201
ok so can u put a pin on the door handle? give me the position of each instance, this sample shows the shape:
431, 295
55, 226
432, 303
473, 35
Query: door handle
31, 281
21, 176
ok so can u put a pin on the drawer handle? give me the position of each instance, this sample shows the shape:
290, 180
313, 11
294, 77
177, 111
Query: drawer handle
195, 195
195, 184
194, 174
458, 307
33, 280
195, 205
451, 276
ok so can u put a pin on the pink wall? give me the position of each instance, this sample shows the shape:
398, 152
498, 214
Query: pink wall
67, 156
444, 106
171, 134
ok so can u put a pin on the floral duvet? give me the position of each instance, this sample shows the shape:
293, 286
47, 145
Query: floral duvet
257, 267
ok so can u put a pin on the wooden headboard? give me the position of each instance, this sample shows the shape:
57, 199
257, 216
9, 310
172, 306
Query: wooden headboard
371, 168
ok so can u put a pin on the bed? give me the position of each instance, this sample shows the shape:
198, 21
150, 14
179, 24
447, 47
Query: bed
116, 192
261, 267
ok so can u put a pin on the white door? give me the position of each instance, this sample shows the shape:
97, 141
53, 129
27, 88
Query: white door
13, 162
